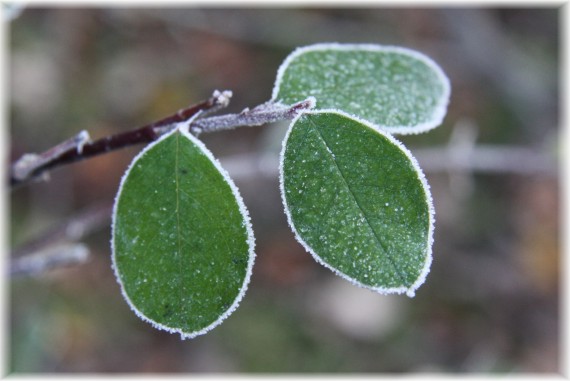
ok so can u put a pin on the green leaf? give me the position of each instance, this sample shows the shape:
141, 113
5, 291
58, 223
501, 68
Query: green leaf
399, 90
182, 242
357, 201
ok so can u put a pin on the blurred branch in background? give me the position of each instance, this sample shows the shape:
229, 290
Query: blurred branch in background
58, 246
60, 255
463, 157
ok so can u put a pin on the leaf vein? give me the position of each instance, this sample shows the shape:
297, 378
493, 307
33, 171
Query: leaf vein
177, 212
343, 177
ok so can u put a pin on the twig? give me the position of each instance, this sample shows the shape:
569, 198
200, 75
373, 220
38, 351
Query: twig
262, 114
57, 247
80, 147
490, 158
49, 258
463, 155
73, 229
31, 166
218, 101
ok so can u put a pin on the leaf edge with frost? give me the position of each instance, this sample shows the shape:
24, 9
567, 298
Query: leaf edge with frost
439, 111
183, 128
409, 291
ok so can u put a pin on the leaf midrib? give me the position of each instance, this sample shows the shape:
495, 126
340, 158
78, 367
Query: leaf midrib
177, 212
180, 237
342, 176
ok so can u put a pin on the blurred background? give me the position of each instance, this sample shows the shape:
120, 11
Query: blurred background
491, 301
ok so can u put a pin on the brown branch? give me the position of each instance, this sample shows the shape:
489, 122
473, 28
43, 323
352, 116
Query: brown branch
80, 147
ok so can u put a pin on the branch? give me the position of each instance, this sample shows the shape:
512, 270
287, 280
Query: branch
49, 258
71, 230
31, 166
58, 246
262, 114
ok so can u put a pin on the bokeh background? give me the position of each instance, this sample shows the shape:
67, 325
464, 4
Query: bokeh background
491, 301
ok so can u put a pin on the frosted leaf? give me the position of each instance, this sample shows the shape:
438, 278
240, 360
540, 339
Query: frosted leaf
396, 89
338, 175
183, 247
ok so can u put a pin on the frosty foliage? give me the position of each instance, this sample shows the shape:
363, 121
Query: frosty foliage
396, 89
368, 221
153, 269
354, 196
